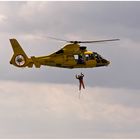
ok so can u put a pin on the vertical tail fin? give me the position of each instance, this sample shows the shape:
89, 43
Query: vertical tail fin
17, 48
19, 59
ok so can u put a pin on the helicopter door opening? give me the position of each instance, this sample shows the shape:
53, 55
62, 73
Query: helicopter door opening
79, 59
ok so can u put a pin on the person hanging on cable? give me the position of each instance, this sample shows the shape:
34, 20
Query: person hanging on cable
80, 78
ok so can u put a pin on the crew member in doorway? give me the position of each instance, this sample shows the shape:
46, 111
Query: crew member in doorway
80, 78
81, 59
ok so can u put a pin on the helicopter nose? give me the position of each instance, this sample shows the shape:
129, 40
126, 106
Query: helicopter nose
107, 63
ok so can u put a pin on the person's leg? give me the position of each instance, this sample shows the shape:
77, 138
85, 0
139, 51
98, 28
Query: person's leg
83, 84
80, 85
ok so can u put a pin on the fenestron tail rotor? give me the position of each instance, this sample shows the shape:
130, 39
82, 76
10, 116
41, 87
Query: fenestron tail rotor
20, 60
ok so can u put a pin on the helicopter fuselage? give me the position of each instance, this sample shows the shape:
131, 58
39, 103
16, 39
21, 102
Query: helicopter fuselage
78, 59
70, 56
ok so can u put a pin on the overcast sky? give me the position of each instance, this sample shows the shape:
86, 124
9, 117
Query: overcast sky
43, 103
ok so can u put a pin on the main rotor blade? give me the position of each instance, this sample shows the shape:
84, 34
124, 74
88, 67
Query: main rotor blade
57, 39
78, 42
95, 41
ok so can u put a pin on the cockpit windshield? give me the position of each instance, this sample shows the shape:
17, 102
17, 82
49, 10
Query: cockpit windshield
97, 56
100, 59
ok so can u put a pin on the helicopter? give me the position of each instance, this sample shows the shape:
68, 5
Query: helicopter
71, 56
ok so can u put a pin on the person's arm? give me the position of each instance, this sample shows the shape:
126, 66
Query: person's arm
76, 76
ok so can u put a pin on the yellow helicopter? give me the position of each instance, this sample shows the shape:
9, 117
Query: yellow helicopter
72, 55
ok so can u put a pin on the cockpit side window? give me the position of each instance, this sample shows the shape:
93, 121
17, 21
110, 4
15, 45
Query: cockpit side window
97, 56
92, 56
89, 57
76, 57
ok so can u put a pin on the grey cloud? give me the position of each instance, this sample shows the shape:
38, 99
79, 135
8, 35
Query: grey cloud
90, 16
32, 106
70, 20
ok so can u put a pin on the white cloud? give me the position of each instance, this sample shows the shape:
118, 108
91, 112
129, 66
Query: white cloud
2, 18
34, 110
34, 8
